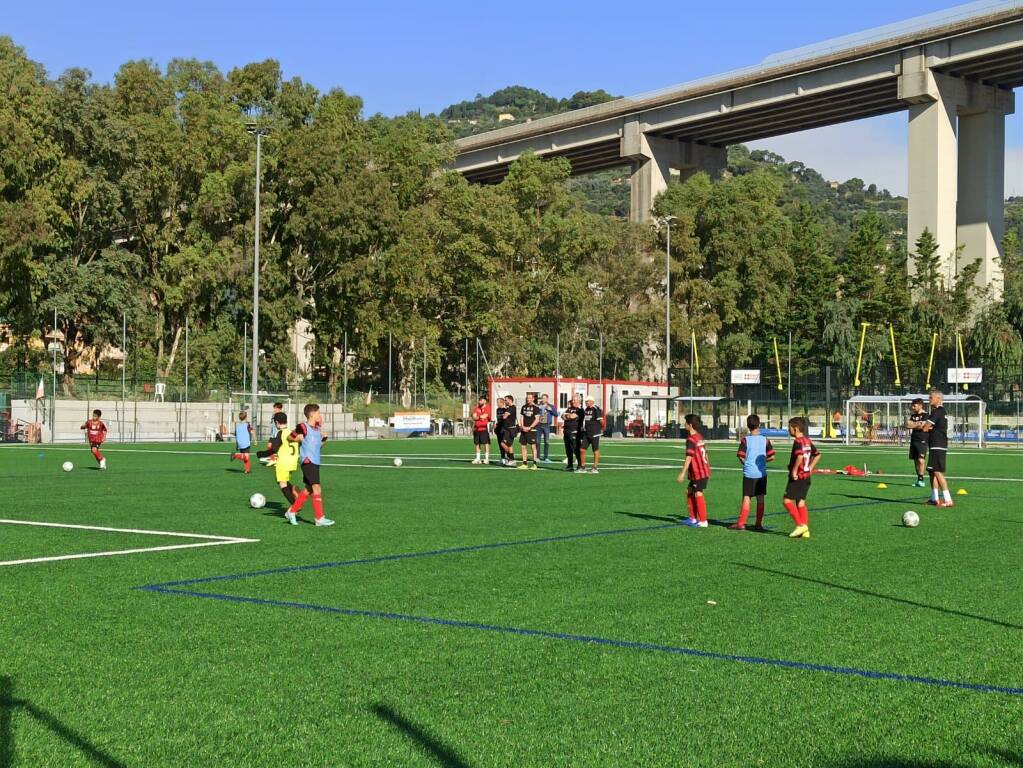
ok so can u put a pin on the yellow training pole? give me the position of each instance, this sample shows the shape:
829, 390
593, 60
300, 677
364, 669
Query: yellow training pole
777, 360
930, 364
859, 360
962, 361
895, 355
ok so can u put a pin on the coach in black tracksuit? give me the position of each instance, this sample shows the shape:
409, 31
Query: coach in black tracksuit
573, 420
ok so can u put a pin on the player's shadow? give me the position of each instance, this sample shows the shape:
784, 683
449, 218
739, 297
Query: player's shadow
279, 515
881, 596
658, 518
879, 498
893, 762
11, 706
437, 750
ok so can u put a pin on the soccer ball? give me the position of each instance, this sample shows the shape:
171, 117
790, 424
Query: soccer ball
910, 519
257, 501
397, 462
67, 466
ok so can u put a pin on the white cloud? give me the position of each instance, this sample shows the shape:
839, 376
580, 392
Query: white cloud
873, 150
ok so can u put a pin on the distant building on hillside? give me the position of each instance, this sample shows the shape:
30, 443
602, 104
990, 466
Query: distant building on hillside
505, 117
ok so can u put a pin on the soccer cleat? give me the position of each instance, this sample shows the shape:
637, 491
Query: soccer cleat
272, 462
594, 471
522, 466
919, 484
291, 517
946, 504
806, 534
570, 469
323, 522
102, 463
761, 528
702, 524
931, 502
486, 461
477, 461
535, 468
691, 522
581, 470
799, 531
736, 527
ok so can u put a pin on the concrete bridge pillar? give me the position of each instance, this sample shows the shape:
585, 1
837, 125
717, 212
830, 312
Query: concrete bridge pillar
655, 158
956, 168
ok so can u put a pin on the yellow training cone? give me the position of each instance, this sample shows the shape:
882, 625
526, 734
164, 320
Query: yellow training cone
882, 486
961, 492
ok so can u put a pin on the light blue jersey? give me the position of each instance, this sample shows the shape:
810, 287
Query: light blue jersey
754, 451
242, 437
311, 443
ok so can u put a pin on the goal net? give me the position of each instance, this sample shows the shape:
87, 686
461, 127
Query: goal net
260, 410
881, 419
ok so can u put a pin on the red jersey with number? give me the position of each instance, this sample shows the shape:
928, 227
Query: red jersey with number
803, 453
696, 451
95, 431
481, 418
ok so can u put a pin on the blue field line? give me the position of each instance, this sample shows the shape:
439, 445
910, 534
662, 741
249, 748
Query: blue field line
603, 641
409, 556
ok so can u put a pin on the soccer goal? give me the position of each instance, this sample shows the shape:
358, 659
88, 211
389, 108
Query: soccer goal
260, 412
881, 419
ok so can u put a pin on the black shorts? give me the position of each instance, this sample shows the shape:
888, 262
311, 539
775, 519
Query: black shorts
797, 490
243, 450
917, 450
936, 461
481, 438
508, 435
754, 486
590, 441
698, 485
311, 474
527, 437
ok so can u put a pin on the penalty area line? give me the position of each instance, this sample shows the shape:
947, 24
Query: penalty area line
205, 540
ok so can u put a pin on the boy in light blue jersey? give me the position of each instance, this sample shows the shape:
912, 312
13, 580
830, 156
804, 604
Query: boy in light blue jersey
242, 440
310, 435
755, 451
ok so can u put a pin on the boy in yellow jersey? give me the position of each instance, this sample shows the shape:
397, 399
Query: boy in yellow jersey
286, 452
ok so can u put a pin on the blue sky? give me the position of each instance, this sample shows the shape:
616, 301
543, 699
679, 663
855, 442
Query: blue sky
402, 56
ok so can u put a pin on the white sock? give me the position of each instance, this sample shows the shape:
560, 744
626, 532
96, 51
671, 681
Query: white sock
948, 496
934, 494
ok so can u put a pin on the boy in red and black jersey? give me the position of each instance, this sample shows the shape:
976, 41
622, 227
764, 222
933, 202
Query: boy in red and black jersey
801, 465
481, 430
96, 433
697, 469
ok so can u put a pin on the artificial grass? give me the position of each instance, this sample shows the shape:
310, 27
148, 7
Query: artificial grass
98, 672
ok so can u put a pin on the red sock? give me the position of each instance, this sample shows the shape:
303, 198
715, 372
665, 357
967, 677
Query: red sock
804, 514
245, 459
299, 501
318, 505
235, 456
760, 514
691, 506
701, 507
97, 454
744, 512
793, 510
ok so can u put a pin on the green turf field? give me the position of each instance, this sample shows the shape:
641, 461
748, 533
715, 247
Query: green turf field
537, 618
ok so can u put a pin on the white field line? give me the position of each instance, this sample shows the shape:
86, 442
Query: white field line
467, 466
206, 541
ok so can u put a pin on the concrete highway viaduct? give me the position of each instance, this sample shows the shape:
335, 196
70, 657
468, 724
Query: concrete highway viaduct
953, 72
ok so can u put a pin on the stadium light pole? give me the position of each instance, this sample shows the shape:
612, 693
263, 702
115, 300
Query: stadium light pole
667, 314
258, 131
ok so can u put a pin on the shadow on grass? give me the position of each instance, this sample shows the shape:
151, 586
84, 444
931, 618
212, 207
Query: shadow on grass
887, 500
1009, 758
658, 518
10, 705
279, 515
881, 596
433, 747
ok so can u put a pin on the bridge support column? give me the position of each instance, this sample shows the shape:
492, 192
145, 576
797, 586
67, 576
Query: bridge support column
653, 161
956, 168
980, 224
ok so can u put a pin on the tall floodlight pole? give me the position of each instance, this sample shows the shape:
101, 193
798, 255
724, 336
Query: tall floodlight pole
255, 280
667, 316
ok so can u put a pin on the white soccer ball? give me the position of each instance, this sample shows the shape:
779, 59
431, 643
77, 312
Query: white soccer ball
397, 462
257, 501
910, 519
67, 466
